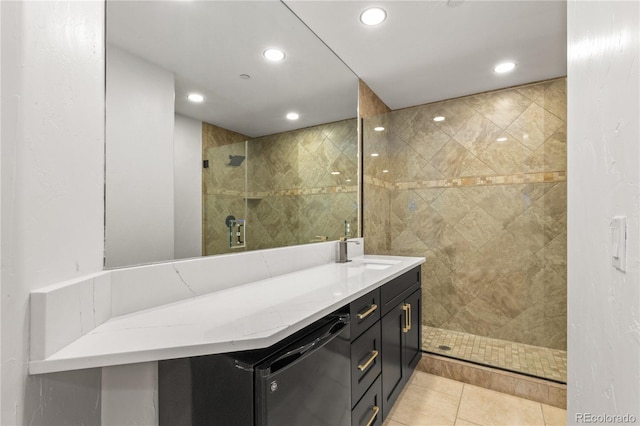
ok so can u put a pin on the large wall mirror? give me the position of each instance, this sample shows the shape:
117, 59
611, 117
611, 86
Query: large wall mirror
231, 172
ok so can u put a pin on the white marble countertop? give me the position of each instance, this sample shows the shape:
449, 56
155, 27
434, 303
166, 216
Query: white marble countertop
249, 316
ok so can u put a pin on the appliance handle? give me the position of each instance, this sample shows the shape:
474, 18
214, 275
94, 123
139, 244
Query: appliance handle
311, 343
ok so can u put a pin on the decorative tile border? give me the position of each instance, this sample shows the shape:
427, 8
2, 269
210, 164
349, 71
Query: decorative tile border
285, 192
523, 178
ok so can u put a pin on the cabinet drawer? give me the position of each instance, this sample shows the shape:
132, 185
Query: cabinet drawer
368, 411
364, 312
392, 291
366, 361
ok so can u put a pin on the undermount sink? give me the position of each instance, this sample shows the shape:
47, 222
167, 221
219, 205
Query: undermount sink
377, 264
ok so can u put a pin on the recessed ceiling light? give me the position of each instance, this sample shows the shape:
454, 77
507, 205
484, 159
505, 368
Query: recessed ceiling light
335, 173
504, 67
375, 154
293, 116
385, 171
438, 118
501, 139
274, 55
195, 97
378, 129
348, 180
373, 16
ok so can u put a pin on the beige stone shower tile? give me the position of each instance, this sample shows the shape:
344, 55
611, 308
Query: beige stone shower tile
450, 159
428, 225
343, 133
311, 138
427, 140
479, 317
535, 228
456, 114
453, 205
407, 241
505, 251
554, 98
551, 155
533, 91
478, 193
554, 255
507, 297
506, 157
504, 203
477, 133
478, 227
534, 126
554, 202
429, 194
452, 248
501, 107
534, 191
474, 167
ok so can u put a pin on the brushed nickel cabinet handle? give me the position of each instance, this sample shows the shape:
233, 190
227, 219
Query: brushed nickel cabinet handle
374, 355
376, 410
368, 312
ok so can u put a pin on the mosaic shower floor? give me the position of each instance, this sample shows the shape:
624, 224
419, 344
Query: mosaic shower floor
532, 360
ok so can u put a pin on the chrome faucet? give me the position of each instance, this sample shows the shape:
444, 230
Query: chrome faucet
343, 256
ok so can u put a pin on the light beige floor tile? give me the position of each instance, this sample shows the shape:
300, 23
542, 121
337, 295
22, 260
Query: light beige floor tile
437, 383
390, 422
461, 422
419, 406
554, 416
487, 407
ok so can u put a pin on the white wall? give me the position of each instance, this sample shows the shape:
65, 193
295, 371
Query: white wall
604, 181
139, 161
187, 152
52, 157
130, 395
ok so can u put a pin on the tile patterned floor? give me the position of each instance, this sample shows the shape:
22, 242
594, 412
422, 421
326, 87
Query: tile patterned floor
533, 360
430, 400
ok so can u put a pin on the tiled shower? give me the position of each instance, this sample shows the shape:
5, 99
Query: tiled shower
481, 193
292, 188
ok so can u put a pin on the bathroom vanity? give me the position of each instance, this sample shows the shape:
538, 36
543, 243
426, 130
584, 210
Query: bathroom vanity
199, 308
350, 378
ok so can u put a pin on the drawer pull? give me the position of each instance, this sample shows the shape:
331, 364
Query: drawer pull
376, 410
407, 317
374, 355
368, 312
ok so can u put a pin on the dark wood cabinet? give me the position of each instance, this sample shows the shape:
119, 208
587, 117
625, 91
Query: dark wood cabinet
377, 351
394, 342
401, 338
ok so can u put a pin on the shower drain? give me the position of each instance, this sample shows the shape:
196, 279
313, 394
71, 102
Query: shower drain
444, 347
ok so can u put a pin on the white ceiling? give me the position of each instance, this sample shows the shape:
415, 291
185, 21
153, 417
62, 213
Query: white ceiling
425, 51
209, 44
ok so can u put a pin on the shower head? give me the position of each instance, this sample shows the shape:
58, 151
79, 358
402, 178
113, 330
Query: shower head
236, 160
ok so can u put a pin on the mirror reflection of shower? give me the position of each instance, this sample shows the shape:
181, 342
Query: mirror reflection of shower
236, 160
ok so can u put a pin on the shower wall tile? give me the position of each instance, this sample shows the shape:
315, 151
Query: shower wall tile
291, 196
369, 104
214, 136
489, 216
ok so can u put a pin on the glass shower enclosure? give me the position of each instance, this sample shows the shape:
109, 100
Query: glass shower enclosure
477, 185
